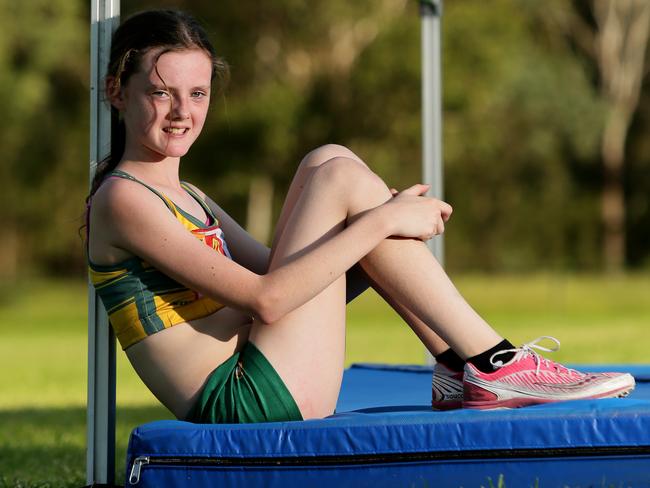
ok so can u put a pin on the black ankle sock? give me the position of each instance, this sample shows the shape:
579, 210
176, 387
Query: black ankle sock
482, 361
451, 360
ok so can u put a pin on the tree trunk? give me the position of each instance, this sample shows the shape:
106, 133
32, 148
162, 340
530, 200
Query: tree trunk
621, 43
613, 195
9, 255
260, 208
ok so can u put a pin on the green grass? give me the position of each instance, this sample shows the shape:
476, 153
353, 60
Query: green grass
43, 355
597, 319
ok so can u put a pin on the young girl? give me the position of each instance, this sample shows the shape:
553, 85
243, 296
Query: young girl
223, 329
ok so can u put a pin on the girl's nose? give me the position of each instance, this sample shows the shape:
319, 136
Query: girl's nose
180, 110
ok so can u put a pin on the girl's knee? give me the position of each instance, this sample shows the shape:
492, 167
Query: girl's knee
327, 152
346, 173
338, 169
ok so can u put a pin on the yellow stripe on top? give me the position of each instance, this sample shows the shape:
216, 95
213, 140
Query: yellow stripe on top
139, 299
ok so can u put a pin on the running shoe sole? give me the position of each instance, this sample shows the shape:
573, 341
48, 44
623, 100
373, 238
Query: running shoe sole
487, 395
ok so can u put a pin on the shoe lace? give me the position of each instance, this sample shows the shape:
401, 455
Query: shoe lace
529, 349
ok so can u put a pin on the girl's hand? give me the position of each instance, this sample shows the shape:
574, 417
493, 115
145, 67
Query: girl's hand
416, 216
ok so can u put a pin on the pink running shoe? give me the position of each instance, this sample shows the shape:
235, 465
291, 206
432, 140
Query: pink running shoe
446, 388
529, 379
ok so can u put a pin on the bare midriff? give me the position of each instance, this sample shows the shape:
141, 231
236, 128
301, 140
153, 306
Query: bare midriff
175, 363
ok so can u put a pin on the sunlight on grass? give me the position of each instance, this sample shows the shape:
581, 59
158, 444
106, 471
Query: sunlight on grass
43, 347
598, 320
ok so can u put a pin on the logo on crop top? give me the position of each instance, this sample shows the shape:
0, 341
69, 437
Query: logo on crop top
213, 236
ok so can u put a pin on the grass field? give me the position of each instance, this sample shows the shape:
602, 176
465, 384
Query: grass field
43, 355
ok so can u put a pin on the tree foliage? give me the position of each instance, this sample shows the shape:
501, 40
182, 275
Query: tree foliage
43, 91
523, 118
521, 124
613, 36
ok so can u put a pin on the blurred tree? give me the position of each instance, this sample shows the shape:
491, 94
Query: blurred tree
523, 116
42, 91
520, 118
637, 183
614, 34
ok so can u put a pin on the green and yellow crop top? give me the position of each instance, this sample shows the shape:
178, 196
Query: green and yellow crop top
139, 299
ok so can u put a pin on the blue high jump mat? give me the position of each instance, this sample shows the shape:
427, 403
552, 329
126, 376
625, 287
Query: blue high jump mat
385, 435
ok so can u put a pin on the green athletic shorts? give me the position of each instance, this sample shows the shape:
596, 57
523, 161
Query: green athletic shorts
244, 389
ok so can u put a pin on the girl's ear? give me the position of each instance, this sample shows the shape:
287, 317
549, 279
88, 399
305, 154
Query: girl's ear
114, 92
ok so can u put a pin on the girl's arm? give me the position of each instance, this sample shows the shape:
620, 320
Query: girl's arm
137, 221
251, 254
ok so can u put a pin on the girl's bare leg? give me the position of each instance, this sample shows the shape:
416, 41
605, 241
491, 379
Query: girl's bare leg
307, 345
432, 341
356, 280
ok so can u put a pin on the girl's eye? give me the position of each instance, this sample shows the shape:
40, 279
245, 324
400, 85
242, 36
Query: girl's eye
160, 93
198, 94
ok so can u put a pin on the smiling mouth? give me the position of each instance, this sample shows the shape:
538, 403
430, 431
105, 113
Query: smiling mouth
175, 130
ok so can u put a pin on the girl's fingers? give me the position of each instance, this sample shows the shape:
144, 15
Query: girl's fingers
418, 189
446, 211
438, 229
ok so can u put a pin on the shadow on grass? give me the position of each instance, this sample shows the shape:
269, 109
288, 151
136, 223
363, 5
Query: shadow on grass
46, 447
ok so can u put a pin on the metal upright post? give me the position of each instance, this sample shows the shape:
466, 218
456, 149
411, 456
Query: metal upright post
432, 170
100, 457
432, 167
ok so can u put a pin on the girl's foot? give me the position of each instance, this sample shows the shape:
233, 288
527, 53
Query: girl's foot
529, 379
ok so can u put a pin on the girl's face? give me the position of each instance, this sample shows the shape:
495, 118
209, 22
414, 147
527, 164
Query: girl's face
164, 104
